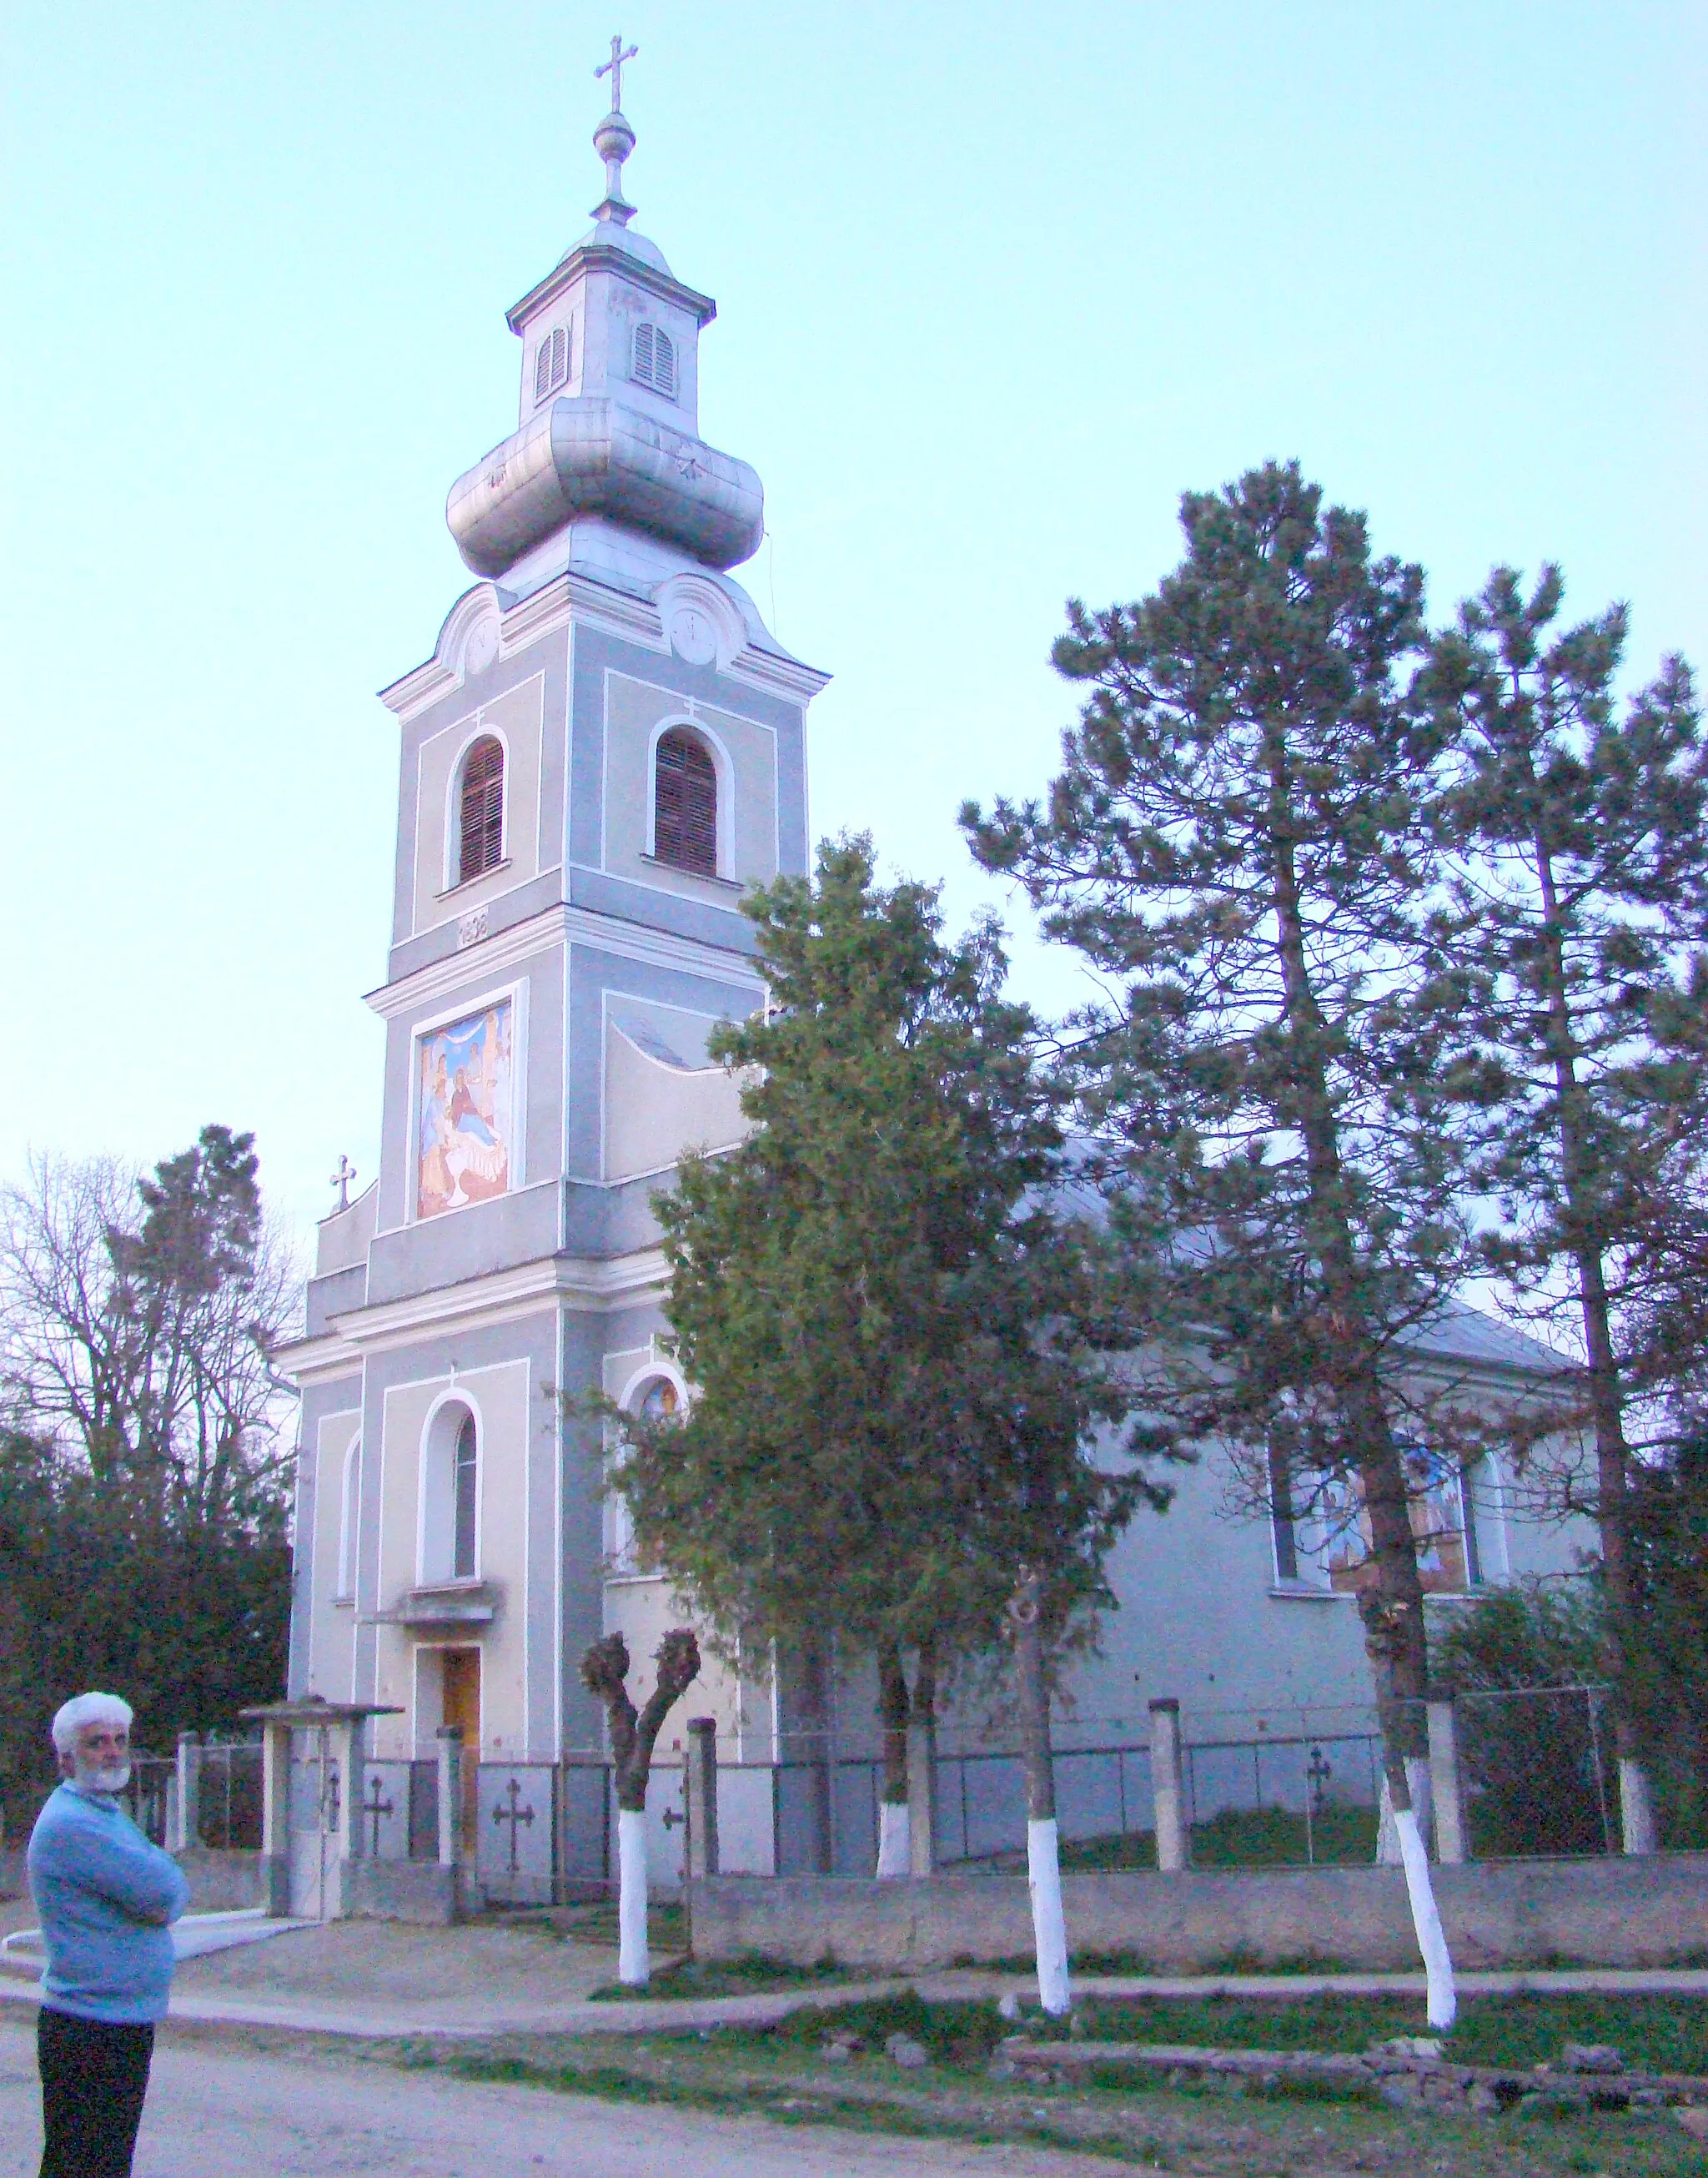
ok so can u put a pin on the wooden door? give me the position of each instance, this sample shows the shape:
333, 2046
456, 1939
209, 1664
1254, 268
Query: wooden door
461, 1707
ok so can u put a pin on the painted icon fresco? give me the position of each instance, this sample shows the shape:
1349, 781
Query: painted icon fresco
464, 1110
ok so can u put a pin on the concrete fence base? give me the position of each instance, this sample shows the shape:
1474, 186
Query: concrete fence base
418, 1891
1650, 1912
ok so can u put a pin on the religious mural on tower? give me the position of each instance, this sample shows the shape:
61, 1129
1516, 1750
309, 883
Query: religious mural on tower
464, 1120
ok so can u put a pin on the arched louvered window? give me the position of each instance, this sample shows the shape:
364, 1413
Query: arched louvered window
655, 360
684, 803
480, 832
552, 363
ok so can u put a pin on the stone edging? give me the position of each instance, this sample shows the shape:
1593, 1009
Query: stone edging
1400, 2080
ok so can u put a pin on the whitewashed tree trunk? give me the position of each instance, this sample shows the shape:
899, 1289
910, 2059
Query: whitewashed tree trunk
1418, 1777
1049, 1928
1043, 1852
895, 1839
1637, 1808
633, 1966
1432, 1942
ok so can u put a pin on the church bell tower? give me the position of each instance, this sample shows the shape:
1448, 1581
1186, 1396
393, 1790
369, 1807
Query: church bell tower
606, 747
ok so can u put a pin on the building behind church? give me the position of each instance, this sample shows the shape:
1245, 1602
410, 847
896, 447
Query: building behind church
605, 747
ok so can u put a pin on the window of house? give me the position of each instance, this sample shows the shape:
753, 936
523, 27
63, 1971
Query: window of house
684, 803
552, 362
1321, 1535
655, 360
480, 828
465, 1492
346, 1519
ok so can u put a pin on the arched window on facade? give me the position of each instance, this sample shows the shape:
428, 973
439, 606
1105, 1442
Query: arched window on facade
480, 810
656, 1402
655, 360
684, 803
465, 1491
346, 1519
450, 1496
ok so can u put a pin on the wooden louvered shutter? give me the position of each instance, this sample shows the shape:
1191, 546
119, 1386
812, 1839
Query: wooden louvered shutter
481, 844
665, 364
684, 809
643, 354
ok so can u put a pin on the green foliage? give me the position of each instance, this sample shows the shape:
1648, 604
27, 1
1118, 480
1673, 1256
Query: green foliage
893, 1326
1668, 1514
1536, 1754
1582, 889
145, 1498
1239, 838
1581, 892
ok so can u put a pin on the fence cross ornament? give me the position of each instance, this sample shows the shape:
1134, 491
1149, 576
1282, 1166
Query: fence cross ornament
378, 1808
513, 1816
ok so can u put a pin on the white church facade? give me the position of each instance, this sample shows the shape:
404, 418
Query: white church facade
606, 747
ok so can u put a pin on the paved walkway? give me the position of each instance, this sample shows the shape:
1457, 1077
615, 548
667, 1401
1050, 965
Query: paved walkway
211, 2112
375, 1979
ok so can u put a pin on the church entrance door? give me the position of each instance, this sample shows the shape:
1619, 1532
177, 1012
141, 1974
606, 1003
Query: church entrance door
461, 1708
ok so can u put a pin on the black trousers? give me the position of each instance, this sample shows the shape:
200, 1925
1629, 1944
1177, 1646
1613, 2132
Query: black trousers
94, 2077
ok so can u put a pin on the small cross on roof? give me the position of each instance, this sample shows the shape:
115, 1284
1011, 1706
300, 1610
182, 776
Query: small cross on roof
613, 68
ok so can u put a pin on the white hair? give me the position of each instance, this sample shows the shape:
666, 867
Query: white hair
88, 1709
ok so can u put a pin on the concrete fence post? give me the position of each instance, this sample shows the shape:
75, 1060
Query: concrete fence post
699, 1791
1168, 1787
922, 1851
276, 1816
187, 1826
1452, 1845
450, 1795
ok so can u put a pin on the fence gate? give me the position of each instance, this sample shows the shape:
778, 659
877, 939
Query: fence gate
315, 1786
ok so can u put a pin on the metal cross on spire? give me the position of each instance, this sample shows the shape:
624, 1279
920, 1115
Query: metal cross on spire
613, 68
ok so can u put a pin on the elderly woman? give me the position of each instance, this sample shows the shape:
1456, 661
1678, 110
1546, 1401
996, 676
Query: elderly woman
107, 1898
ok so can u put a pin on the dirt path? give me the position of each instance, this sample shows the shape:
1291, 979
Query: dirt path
211, 2114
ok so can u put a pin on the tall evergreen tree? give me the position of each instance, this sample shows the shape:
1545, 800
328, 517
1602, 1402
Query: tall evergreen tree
1238, 837
1582, 891
893, 1325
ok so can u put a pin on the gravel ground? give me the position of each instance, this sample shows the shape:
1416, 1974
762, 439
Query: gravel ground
214, 2112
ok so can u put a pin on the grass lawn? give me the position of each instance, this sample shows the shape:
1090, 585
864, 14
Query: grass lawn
781, 2073
1246, 1837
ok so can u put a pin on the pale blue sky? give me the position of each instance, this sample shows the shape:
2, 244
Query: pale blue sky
994, 284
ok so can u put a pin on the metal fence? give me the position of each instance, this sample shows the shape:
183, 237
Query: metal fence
228, 1795
1537, 1772
1537, 1779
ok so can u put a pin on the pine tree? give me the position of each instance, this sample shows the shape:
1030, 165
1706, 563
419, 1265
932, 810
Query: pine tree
1238, 839
1583, 886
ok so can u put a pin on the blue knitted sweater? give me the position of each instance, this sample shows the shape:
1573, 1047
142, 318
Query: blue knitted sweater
105, 1896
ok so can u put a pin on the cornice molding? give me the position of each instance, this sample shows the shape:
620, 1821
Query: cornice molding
570, 598
586, 1284
540, 934
605, 257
